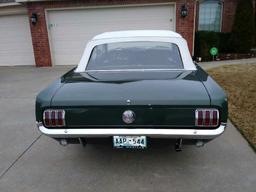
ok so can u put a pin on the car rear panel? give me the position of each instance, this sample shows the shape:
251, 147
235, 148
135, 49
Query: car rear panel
111, 116
168, 100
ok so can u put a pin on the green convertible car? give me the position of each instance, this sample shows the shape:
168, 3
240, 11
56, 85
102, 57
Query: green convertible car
134, 88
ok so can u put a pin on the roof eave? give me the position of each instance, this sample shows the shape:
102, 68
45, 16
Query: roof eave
27, 1
9, 4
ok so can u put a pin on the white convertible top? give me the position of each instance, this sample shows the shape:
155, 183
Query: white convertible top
138, 35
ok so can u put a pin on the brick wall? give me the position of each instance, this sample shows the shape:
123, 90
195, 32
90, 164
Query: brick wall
39, 35
184, 26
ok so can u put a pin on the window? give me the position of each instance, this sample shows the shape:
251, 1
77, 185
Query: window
135, 55
210, 16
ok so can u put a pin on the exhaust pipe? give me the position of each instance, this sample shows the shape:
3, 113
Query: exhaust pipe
82, 141
63, 142
178, 145
199, 143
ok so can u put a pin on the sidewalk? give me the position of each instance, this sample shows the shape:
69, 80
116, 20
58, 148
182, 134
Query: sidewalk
212, 64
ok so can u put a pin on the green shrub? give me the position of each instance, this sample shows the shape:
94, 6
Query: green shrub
205, 40
243, 30
255, 24
224, 46
203, 43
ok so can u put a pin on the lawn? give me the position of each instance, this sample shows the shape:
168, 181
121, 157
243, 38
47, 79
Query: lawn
239, 82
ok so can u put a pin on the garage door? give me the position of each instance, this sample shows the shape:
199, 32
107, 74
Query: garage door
15, 41
70, 29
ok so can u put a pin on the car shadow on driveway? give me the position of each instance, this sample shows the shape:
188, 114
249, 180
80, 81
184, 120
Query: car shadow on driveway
220, 166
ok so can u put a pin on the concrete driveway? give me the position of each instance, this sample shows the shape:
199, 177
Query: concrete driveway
30, 161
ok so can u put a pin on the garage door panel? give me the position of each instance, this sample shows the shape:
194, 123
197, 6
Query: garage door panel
14, 60
70, 30
15, 41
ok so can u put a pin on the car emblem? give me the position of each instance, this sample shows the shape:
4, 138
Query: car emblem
128, 116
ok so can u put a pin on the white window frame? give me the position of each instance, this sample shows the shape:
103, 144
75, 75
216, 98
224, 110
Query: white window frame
221, 12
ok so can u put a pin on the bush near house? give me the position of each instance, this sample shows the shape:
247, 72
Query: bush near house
239, 42
205, 40
243, 31
255, 24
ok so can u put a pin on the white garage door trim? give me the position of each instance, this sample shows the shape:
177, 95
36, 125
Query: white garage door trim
23, 54
110, 6
12, 9
47, 12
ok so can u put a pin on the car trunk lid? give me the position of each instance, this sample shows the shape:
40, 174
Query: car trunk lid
162, 99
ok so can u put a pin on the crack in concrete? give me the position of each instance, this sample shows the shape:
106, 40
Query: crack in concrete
19, 157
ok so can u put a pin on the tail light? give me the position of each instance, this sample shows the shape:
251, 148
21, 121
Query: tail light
54, 118
207, 117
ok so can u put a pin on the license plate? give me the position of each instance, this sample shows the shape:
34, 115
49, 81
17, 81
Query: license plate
130, 142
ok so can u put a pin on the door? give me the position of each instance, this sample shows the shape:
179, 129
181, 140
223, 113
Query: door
71, 29
15, 41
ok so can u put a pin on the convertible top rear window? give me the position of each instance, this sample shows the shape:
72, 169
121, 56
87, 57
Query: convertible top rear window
135, 56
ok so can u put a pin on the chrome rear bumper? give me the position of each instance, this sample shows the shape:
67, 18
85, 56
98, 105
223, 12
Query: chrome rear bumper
153, 133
